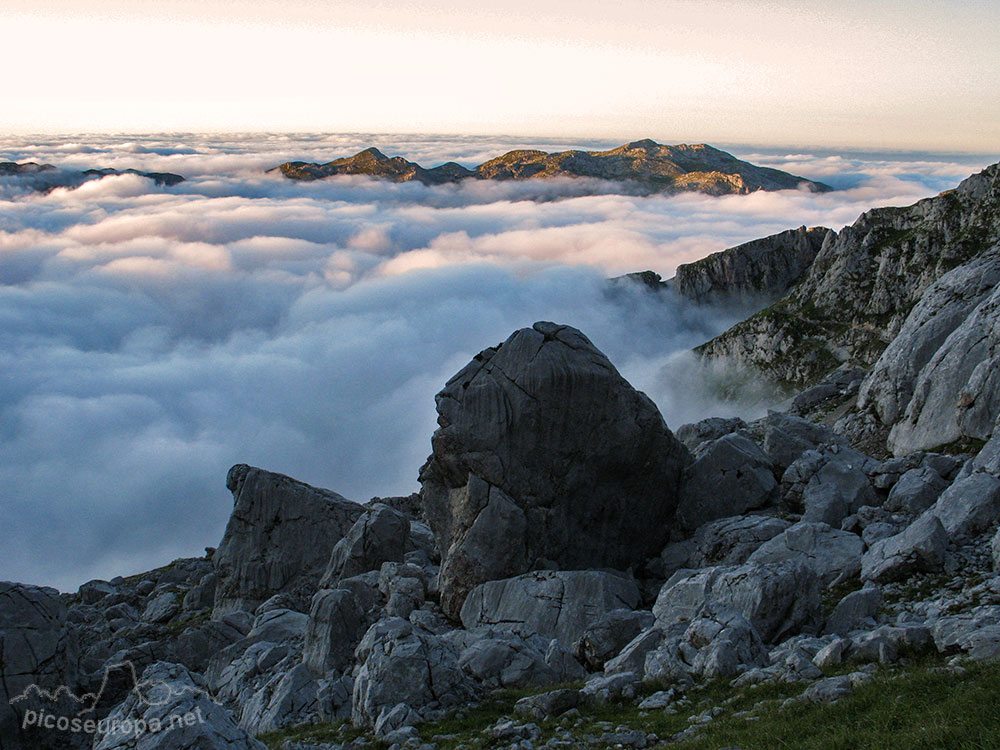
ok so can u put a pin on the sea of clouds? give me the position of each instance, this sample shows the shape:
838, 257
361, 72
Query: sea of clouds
151, 337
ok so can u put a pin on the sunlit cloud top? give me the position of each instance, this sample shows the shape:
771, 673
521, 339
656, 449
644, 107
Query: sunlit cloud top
877, 74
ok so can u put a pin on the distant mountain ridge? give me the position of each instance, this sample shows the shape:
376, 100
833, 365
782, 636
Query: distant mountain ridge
45, 177
655, 167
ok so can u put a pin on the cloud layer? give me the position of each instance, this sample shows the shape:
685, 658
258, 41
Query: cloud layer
152, 337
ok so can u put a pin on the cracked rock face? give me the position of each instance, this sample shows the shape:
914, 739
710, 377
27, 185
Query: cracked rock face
546, 457
280, 536
553, 604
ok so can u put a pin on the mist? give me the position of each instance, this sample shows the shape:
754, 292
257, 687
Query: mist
152, 337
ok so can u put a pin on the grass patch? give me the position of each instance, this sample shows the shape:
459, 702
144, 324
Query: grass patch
962, 445
339, 731
921, 709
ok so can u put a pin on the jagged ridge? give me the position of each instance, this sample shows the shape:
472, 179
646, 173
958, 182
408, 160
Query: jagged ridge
655, 167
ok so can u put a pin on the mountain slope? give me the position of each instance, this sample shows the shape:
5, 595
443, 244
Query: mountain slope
654, 167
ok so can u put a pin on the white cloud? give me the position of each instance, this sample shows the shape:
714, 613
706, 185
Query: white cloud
153, 337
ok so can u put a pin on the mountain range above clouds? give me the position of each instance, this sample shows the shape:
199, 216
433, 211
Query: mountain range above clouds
652, 166
45, 177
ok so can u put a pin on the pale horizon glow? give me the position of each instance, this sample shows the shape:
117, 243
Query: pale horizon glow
864, 75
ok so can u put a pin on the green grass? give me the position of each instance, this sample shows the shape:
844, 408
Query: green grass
919, 707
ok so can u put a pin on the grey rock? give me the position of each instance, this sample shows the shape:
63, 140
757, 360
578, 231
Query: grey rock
162, 608
832, 654
278, 626
604, 638
279, 536
734, 462
698, 434
169, 691
559, 455
36, 648
507, 661
836, 490
632, 657
787, 437
916, 491
970, 506
336, 625
726, 541
955, 392
920, 548
834, 555
548, 705
400, 664
853, 610
601, 689
829, 690
863, 284
92, 592
379, 536
777, 599
554, 604
753, 274
995, 549
726, 645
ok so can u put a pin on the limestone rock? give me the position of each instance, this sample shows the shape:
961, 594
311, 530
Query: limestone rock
916, 491
726, 541
920, 548
732, 462
545, 454
279, 536
970, 506
36, 648
832, 554
553, 604
336, 625
863, 283
379, 536
609, 634
170, 693
753, 274
777, 599
401, 665
854, 610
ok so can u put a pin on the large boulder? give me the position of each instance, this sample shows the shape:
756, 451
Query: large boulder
405, 672
732, 462
336, 625
834, 555
175, 711
778, 600
546, 457
726, 541
278, 539
379, 536
36, 654
970, 506
920, 548
551, 603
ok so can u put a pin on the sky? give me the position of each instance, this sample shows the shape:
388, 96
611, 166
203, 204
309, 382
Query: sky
151, 337
863, 74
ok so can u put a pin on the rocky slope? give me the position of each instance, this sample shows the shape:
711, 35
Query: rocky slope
45, 177
563, 535
646, 164
908, 294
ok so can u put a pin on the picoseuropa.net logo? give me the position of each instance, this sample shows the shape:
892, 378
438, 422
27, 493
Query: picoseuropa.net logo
61, 710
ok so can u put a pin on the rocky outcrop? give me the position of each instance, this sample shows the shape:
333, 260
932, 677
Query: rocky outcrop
545, 456
551, 603
646, 164
37, 658
863, 284
171, 709
751, 275
279, 538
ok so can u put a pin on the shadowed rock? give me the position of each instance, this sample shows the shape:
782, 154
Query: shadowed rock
545, 456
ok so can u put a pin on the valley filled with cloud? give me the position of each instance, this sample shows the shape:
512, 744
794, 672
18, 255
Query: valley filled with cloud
153, 336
